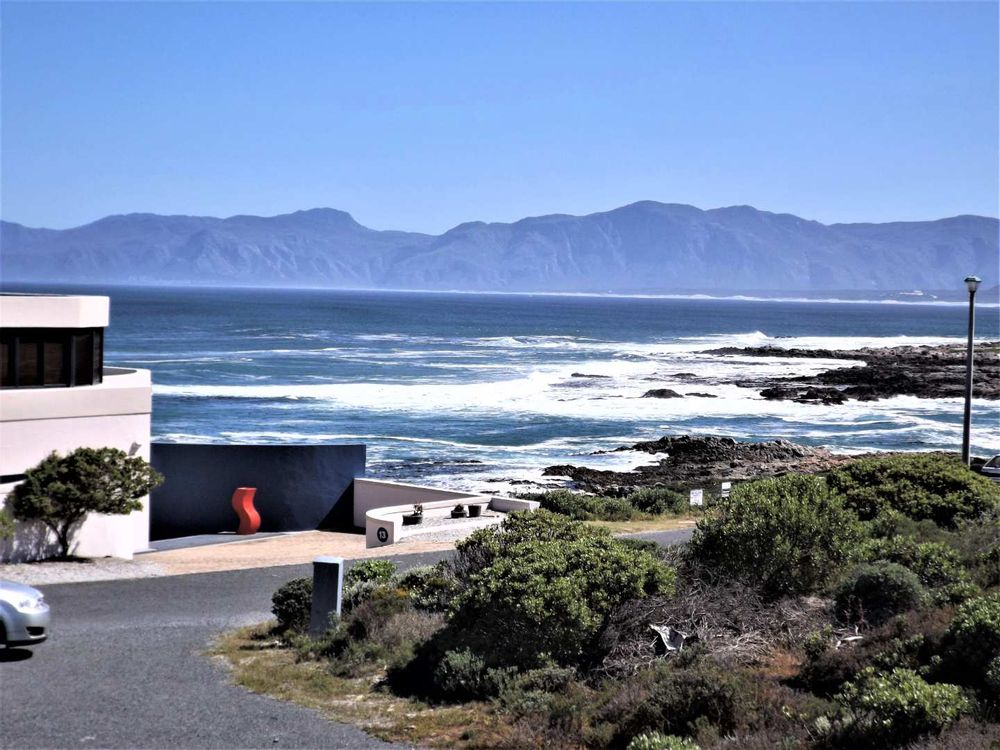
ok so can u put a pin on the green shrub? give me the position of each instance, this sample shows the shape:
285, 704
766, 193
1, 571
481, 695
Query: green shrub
545, 680
884, 710
429, 587
370, 571
6, 525
549, 599
357, 594
642, 545
911, 640
648, 501
377, 635
972, 642
783, 536
366, 579
920, 486
992, 681
657, 741
581, 507
531, 692
987, 565
380, 630
676, 700
292, 605
463, 675
369, 615
938, 566
873, 592
481, 548
659, 501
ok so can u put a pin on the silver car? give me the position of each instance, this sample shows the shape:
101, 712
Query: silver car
24, 615
991, 469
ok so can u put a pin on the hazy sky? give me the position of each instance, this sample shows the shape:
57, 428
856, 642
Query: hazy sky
419, 116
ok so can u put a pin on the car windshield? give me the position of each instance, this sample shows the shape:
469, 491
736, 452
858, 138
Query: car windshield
993, 463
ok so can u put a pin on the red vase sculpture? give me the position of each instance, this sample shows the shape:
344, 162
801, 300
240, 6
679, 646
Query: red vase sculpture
248, 515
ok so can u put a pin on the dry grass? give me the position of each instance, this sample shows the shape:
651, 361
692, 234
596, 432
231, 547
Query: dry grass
261, 664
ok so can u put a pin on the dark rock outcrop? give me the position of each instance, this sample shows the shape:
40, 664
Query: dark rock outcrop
922, 371
662, 393
809, 395
701, 461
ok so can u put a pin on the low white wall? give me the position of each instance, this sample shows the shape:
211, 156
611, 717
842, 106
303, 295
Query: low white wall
373, 493
36, 421
383, 523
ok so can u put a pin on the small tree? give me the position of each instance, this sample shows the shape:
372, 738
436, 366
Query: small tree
62, 490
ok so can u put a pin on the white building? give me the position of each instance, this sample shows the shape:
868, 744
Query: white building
57, 395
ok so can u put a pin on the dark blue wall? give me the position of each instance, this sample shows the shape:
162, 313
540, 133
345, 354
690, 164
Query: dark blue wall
298, 486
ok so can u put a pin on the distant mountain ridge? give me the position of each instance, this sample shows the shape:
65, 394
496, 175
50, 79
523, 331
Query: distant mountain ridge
644, 247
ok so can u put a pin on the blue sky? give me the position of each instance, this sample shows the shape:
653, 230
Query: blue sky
421, 116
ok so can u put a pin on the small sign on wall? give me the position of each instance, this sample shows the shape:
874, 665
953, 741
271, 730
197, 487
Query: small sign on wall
726, 488
697, 497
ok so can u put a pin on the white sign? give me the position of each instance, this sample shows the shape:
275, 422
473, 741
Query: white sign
726, 487
697, 497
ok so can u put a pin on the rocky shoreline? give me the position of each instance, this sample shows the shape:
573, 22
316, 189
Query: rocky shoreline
921, 371
701, 462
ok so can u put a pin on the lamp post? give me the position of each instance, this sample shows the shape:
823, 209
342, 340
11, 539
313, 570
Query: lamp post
972, 283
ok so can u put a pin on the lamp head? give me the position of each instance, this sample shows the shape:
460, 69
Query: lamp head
972, 282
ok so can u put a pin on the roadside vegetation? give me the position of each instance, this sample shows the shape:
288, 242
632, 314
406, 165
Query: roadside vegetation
640, 505
858, 610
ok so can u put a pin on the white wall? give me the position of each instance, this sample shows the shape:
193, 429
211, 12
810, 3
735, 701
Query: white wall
373, 493
53, 311
36, 421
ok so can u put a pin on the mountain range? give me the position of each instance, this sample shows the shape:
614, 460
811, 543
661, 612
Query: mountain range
644, 247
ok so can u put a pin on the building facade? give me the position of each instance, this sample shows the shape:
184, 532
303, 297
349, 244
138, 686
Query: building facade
56, 394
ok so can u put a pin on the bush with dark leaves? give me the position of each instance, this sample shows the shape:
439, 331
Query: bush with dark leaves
873, 592
784, 536
292, 605
920, 486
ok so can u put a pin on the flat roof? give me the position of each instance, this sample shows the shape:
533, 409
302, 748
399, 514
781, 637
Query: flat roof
54, 311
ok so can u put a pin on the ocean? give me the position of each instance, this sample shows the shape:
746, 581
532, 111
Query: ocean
482, 391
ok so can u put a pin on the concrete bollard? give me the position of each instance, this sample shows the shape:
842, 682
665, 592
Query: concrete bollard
328, 588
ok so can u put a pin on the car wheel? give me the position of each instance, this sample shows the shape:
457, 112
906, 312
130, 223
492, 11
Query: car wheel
3, 635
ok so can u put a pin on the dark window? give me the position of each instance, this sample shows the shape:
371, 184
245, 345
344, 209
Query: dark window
98, 355
28, 362
83, 352
54, 363
35, 357
6, 363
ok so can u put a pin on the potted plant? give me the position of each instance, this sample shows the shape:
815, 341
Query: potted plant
458, 511
475, 510
417, 516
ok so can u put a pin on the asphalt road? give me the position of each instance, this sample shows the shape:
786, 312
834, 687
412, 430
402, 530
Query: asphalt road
124, 667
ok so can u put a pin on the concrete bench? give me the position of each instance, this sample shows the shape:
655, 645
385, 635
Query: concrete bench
384, 525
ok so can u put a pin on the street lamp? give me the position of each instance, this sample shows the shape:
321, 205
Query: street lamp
972, 283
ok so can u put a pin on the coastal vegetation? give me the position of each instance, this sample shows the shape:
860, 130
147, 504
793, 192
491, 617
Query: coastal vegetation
61, 490
855, 610
642, 504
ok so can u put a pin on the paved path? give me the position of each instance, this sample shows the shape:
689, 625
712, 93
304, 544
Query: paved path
124, 668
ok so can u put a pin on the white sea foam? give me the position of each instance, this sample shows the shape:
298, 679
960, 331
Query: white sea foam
498, 380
